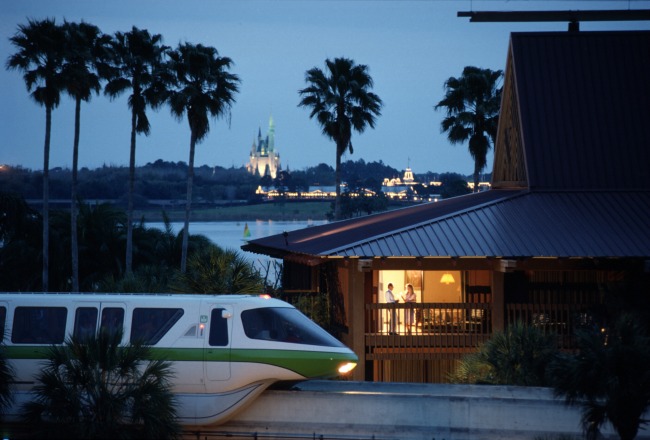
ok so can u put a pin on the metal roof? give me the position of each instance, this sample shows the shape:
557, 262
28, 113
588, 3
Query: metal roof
507, 224
582, 99
583, 102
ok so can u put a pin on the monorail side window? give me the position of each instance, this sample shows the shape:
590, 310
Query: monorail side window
39, 325
3, 315
85, 322
151, 324
218, 329
112, 319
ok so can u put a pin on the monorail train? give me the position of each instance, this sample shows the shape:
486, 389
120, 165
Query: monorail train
225, 349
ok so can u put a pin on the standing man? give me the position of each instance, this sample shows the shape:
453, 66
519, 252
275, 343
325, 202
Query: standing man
390, 299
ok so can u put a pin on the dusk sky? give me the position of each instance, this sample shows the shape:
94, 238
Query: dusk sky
410, 48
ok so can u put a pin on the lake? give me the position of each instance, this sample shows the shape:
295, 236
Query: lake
230, 235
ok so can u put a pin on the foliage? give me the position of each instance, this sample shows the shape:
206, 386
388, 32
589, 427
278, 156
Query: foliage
609, 376
101, 246
453, 184
97, 388
202, 88
520, 355
214, 270
40, 54
6, 376
341, 101
20, 244
472, 104
354, 205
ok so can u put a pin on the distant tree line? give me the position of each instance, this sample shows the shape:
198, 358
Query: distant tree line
162, 180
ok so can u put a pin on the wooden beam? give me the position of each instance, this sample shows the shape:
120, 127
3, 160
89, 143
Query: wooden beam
566, 16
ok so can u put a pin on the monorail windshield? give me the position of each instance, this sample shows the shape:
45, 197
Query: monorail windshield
285, 325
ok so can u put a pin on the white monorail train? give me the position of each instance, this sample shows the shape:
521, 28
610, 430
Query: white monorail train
225, 349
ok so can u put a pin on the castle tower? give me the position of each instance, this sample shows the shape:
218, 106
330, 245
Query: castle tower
263, 158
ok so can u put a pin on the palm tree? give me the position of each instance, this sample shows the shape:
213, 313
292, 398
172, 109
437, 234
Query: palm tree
204, 87
86, 52
215, 270
137, 60
7, 373
341, 101
40, 57
609, 376
97, 388
472, 102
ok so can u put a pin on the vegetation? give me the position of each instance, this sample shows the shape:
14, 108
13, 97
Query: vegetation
203, 87
96, 388
472, 103
6, 378
137, 57
520, 355
609, 377
84, 57
341, 101
40, 54
101, 228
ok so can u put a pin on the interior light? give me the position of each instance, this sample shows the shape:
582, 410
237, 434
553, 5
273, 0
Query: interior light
347, 367
447, 278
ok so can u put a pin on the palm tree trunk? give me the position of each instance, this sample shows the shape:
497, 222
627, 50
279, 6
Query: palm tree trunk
46, 199
337, 183
73, 198
188, 204
129, 214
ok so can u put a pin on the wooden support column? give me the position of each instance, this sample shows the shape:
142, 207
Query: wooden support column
356, 317
498, 301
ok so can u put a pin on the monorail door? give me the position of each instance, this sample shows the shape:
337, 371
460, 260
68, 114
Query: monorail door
91, 316
217, 344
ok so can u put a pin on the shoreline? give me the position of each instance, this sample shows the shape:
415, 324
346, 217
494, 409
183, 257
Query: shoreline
267, 211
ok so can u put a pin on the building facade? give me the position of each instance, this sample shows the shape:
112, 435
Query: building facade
561, 236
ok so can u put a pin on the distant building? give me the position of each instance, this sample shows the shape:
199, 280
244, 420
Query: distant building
264, 160
402, 189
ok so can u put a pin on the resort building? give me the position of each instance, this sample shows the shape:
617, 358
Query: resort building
264, 160
563, 229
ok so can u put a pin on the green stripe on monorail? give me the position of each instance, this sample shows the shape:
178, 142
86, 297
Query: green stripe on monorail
305, 363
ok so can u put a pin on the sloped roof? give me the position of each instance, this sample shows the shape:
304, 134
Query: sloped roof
570, 168
583, 102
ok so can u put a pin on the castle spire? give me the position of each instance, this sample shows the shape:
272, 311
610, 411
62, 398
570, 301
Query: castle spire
271, 143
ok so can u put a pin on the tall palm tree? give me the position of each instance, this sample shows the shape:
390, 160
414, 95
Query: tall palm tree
472, 102
97, 388
40, 57
204, 87
85, 56
137, 61
341, 101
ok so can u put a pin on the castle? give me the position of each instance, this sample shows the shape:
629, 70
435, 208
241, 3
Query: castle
264, 160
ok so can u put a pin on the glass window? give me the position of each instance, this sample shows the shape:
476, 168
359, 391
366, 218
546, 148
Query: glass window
85, 322
112, 319
218, 329
285, 325
3, 315
151, 324
39, 325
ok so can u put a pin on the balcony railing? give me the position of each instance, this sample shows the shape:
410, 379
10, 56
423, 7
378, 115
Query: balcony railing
428, 318
561, 320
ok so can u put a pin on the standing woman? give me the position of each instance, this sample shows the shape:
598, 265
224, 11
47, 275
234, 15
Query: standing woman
409, 297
